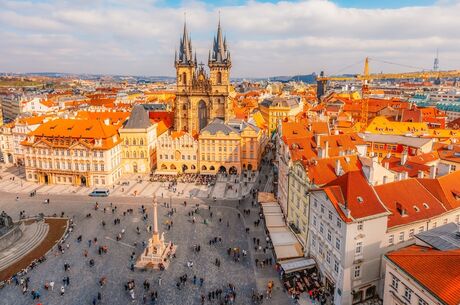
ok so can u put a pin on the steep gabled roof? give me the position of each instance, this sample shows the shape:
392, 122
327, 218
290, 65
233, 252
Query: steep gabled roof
409, 202
139, 118
359, 197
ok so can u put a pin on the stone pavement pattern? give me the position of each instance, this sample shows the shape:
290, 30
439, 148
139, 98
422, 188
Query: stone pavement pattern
115, 264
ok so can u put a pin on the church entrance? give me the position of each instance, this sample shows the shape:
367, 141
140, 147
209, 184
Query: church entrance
202, 114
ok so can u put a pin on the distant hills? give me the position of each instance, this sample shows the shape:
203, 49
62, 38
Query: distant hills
306, 78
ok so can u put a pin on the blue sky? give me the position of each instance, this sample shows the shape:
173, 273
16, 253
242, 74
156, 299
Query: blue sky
266, 38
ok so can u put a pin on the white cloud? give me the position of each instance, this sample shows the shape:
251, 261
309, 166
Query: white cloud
139, 37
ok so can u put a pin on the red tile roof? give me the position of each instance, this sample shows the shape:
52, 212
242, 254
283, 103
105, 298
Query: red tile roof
446, 189
353, 190
436, 271
412, 168
408, 206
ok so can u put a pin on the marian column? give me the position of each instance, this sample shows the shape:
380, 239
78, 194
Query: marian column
155, 237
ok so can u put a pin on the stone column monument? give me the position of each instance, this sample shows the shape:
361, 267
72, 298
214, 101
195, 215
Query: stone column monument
157, 254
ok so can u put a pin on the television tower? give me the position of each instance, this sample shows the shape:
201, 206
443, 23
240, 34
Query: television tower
436, 61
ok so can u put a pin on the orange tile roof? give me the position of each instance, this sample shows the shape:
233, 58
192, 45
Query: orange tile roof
33, 120
323, 171
62, 130
48, 103
436, 271
161, 128
408, 207
115, 117
412, 168
356, 194
446, 189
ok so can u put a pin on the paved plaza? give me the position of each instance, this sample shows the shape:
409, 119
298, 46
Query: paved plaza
115, 265
12, 180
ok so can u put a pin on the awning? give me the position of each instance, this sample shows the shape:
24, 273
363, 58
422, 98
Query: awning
274, 220
294, 265
288, 251
264, 197
165, 173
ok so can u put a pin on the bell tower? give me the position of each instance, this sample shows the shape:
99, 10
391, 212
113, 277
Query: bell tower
185, 66
219, 63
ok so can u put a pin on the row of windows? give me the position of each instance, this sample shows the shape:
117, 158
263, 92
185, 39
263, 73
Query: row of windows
171, 157
328, 254
402, 235
407, 295
65, 165
134, 154
65, 152
134, 141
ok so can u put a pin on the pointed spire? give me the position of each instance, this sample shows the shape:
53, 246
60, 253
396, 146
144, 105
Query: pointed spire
185, 49
219, 48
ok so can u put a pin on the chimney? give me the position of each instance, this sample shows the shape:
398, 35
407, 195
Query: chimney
432, 171
338, 167
404, 157
405, 175
420, 174
385, 179
326, 149
309, 127
317, 140
387, 165
320, 152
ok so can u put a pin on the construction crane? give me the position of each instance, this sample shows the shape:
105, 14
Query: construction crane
366, 77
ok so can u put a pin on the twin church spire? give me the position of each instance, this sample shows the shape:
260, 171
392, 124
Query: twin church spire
219, 53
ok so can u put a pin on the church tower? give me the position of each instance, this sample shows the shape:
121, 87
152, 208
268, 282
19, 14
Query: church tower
219, 63
202, 97
185, 72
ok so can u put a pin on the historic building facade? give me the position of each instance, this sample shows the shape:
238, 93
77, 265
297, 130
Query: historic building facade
201, 97
139, 137
76, 152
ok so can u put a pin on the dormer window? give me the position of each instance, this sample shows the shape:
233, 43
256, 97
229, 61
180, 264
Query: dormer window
416, 209
400, 209
426, 206
360, 199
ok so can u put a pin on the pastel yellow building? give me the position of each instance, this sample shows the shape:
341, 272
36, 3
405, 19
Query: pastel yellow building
139, 138
230, 147
280, 108
177, 152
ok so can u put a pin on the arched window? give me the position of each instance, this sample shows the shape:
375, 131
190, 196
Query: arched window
134, 154
141, 142
134, 142
219, 78
184, 78
142, 154
127, 154
127, 142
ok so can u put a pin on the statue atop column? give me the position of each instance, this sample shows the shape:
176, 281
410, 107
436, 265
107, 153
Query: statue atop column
157, 254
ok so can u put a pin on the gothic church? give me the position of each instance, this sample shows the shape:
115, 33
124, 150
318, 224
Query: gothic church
202, 97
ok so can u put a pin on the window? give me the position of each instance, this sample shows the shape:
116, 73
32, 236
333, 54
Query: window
360, 225
314, 221
401, 237
359, 248
407, 294
391, 240
421, 229
422, 302
394, 282
322, 208
336, 266
337, 244
321, 228
313, 241
315, 203
328, 257
339, 222
330, 215
329, 235
411, 233
357, 271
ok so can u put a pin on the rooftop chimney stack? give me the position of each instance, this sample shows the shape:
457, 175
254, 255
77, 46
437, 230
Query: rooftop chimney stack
404, 157
432, 171
326, 149
338, 167
420, 174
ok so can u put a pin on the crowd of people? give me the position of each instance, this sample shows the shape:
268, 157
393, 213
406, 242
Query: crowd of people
198, 179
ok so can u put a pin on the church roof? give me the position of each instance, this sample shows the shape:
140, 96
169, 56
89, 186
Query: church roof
139, 118
218, 125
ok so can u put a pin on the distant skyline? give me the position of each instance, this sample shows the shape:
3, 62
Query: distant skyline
266, 38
